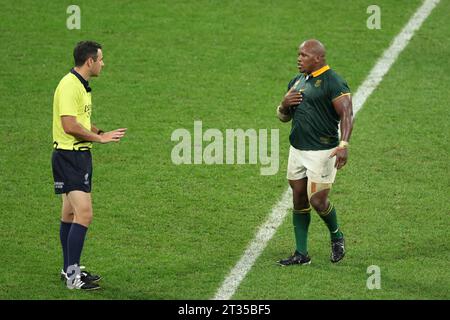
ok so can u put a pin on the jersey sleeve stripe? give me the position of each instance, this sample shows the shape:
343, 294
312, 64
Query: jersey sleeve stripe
344, 94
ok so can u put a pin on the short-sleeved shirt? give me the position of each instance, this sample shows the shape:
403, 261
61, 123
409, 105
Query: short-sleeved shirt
315, 121
72, 98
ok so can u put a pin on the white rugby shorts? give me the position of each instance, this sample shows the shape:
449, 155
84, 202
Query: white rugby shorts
316, 165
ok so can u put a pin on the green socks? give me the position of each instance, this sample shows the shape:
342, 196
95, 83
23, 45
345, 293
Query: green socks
330, 219
301, 220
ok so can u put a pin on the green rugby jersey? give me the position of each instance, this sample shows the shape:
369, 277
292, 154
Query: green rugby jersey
314, 120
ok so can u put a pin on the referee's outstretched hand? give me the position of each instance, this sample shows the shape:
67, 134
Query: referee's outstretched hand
112, 136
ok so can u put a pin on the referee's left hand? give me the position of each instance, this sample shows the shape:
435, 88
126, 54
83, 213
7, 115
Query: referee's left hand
341, 157
112, 136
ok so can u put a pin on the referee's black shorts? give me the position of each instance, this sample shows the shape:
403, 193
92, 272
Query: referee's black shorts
72, 170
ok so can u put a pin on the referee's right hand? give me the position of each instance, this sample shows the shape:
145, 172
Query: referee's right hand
112, 136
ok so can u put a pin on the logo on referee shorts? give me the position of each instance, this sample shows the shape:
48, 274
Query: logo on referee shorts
86, 178
59, 185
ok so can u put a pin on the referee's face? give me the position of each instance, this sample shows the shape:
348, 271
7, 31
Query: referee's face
97, 65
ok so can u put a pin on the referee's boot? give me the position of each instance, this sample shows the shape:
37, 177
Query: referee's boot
85, 276
296, 258
337, 249
79, 284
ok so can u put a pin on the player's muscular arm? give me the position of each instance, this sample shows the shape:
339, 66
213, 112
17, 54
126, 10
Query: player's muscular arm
344, 108
72, 127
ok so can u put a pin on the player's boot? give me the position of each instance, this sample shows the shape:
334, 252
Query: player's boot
296, 258
337, 249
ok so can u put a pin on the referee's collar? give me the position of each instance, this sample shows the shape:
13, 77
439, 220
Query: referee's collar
82, 80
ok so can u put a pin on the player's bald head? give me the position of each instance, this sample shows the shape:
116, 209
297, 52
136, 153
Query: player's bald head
311, 56
315, 47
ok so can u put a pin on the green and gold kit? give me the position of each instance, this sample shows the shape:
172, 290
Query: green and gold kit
315, 121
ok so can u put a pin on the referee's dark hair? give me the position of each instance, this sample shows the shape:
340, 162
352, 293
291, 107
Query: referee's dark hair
85, 50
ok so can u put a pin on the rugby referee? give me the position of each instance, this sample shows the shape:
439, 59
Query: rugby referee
73, 136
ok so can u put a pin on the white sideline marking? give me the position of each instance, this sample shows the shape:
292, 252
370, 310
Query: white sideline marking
391, 54
279, 211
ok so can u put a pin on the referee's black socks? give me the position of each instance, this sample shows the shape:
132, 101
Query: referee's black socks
63, 236
75, 243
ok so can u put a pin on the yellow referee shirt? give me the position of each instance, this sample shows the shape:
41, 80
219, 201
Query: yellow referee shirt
72, 98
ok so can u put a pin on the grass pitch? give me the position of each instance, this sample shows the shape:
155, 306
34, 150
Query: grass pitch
162, 231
